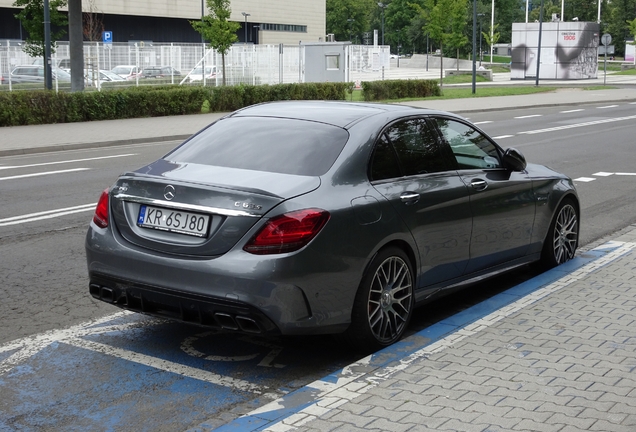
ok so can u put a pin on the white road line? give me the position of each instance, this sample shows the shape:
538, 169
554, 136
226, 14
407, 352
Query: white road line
49, 214
571, 111
591, 123
584, 179
608, 106
502, 137
483, 122
44, 173
529, 116
167, 366
66, 161
625, 174
602, 174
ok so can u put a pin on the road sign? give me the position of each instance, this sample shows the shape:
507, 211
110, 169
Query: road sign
107, 37
606, 39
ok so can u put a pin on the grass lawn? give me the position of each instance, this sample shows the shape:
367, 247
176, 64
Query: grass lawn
456, 93
626, 72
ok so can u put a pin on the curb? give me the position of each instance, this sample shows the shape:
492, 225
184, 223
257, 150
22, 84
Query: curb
79, 146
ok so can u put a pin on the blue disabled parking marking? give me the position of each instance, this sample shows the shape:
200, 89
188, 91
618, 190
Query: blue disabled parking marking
299, 407
127, 371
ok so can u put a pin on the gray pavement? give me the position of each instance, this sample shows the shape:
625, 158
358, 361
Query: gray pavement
555, 354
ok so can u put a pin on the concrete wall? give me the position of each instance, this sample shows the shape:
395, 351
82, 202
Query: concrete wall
568, 50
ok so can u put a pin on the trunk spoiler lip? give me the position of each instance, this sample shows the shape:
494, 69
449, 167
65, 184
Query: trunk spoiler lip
184, 206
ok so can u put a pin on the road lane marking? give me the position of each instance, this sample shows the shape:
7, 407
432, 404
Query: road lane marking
571, 111
483, 122
608, 106
591, 123
602, 174
167, 366
625, 174
584, 179
49, 214
44, 173
529, 116
502, 137
65, 162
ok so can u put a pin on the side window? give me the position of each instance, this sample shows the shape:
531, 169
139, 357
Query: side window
384, 164
472, 150
417, 147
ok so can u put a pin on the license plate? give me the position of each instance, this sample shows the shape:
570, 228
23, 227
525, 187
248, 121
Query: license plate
175, 221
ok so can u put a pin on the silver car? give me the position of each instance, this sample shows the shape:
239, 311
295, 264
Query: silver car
323, 217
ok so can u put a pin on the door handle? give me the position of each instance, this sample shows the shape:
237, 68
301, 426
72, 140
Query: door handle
479, 184
410, 197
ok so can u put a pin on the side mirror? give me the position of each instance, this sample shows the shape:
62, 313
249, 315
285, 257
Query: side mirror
514, 160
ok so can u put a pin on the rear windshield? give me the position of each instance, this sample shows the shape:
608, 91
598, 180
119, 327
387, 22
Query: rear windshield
277, 145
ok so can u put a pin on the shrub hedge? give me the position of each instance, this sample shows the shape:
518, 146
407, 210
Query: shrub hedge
399, 89
41, 107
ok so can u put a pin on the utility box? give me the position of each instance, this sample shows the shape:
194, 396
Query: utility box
326, 61
569, 50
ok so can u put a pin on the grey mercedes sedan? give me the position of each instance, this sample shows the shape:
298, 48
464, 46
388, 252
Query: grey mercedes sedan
324, 217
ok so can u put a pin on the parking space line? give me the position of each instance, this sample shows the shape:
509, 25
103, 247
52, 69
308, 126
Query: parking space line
167, 366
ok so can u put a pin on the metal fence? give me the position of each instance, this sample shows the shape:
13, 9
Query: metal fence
244, 63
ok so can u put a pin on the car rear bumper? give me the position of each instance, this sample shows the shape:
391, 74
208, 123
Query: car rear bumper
181, 306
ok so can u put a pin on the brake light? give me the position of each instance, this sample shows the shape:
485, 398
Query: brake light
288, 232
101, 211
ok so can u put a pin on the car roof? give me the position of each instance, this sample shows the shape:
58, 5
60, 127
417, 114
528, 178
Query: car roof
337, 113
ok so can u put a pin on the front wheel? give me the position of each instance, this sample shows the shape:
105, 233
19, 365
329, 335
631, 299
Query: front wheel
384, 302
563, 236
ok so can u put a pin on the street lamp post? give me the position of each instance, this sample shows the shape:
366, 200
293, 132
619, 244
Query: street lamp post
481, 52
382, 6
398, 48
245, 15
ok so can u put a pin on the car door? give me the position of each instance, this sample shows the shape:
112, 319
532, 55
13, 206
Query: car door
412, 171
502, 201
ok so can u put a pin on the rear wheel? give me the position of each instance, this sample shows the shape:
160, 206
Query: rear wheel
563, 236
384, 302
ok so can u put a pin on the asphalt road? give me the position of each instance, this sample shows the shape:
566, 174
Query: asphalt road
48, 201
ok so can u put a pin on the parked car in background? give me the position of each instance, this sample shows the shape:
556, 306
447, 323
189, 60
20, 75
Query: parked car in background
196, 73
129, 72
105, 76
161, 72
35, 74
63, 63
310, 217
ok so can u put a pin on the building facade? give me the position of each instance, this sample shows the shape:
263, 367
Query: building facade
262, 22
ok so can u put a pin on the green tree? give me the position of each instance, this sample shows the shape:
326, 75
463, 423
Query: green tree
495, 38
399, 18
617, 15
349, 18
216, 28
32, 18
458, 20
437, 24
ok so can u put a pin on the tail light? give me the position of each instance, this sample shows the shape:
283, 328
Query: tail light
101, 211
288, 232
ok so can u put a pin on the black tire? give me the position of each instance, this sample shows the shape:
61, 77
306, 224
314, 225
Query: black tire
563, 235
384, 302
